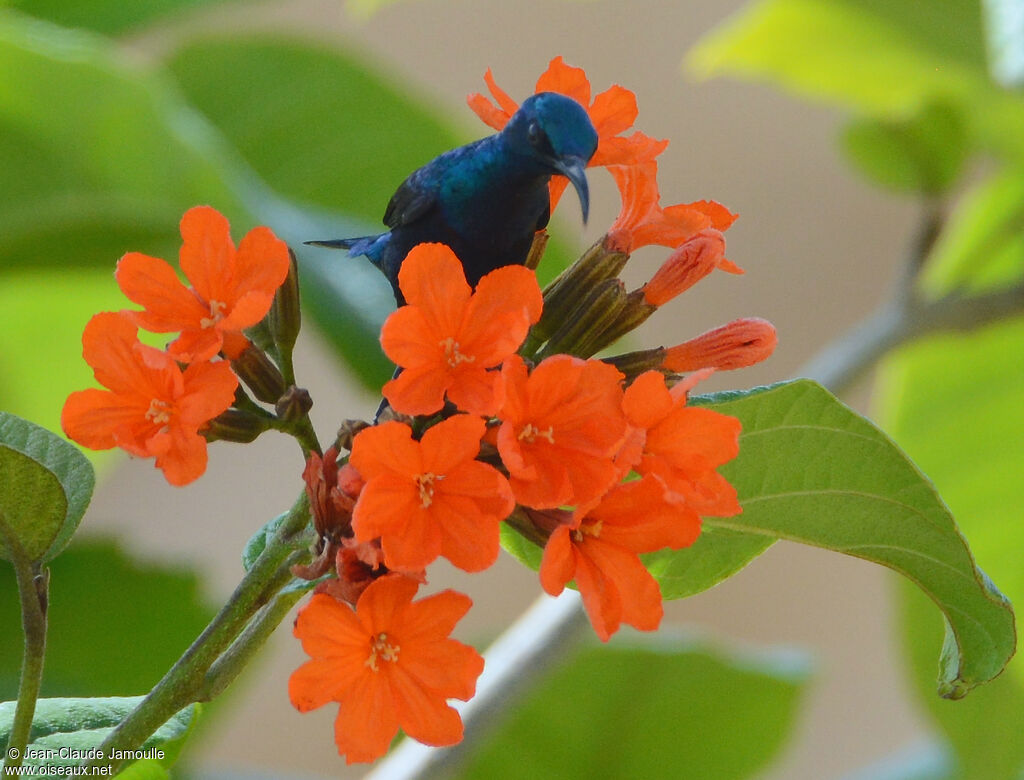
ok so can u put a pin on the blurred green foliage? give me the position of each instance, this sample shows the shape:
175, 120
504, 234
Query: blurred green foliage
656, 708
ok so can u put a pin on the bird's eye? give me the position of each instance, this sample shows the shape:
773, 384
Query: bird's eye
538, 138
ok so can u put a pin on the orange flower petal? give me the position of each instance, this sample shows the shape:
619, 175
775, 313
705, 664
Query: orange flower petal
637, 593
207, 254
647, 401
327, 627
425, 717
93, 417
196, 345
469, 539
491, 115
614, 111
432, 279
478, 392
318, 681
558, 564
451, 442
209, 389
109, 344
367, 719
387, 448
417, 390
153, 284
601, 599
507, 104
261, 263
566, 80
447, 666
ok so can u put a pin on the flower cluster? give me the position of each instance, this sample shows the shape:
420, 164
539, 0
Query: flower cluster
163, 404
499, 412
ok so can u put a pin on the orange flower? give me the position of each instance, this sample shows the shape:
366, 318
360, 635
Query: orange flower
152, 408
684, 445
737, 344
695, 258
429, 497
599, 551
612, 113
232, 289
388, 664
448, 337
642, 221
561, 428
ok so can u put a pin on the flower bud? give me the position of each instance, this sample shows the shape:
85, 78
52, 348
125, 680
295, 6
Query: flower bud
738, 344
237, 425
632, 364
633, 312
285, 317
564, 297
347, 432
600, 308
691, 262
294, 404
259, 373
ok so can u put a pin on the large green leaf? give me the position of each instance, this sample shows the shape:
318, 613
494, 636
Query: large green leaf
878, 57
96, 154
67, 732
45, 488
101, 604
317, 126
954, 402
673, 709
812, 471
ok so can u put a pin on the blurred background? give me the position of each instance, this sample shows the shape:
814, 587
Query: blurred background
306, 115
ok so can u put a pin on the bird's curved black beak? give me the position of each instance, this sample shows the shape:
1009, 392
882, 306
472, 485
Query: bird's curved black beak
575, 169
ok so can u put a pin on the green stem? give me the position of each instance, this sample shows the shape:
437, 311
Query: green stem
185, 683
226, 668
33, 585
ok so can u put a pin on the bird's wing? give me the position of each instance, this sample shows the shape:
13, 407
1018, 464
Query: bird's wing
414, 198
418, 194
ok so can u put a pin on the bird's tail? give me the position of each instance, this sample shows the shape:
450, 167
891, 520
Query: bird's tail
370, 246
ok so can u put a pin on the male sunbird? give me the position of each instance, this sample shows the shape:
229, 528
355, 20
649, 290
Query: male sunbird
486, 199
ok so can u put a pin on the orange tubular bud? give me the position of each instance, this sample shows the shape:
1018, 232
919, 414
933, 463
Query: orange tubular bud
738, 344
690, 263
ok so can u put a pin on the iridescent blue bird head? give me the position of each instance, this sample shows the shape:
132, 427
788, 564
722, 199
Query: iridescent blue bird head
555, 132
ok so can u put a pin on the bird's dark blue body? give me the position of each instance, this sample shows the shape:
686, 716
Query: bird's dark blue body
486, 199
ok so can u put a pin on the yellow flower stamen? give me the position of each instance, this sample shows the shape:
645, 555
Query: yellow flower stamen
425, 483
452, 354
531, 432
216, 314
159, 412
379, 648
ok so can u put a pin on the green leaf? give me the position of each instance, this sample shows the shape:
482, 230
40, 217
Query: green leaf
675, 709
812, 471
923, 154
317, 126
954, 402
877, 57
98, 155
47, 484
982, 247
874, 56
110, 17
101, 602
80, 725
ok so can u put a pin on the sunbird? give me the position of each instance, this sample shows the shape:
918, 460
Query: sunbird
486, 199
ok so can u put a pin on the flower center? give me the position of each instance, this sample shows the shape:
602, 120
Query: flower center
531, 432
216, 314
382, 649
591, 528
452, 354
159, 412
425, 484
